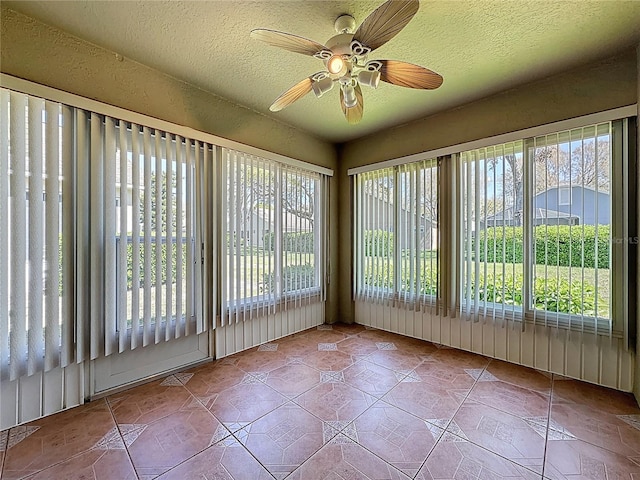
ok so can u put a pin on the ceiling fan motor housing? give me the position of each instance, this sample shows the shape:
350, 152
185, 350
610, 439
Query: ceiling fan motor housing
345, 24
340, 44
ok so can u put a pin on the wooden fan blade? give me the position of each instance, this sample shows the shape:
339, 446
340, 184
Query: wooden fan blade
296, 92
353, 114
385, 22
409, 75
290, 42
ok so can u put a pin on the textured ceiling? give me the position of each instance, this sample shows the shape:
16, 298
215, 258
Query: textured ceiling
480, 47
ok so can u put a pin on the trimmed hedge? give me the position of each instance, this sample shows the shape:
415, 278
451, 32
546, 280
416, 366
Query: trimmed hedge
378, 243
298, 242
163, 257
554, 245
295, 277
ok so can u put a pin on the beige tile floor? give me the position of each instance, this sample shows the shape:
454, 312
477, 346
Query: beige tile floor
339, 402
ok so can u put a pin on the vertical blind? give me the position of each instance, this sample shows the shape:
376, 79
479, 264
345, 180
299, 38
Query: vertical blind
396, 240
373, 241
572, 226
492, 230
538, 223
36, 234
525, 231
110, 234
145, 235
274, 242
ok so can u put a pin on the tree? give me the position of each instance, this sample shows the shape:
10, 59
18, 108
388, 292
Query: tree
512, 185
162, 216
587, 165
252, 188
298, 197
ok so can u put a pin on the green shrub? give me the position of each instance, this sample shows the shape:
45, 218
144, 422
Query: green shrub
553, 295
297, 242
378, 243
380, 276
383, 277
498, 245
163, 260
556, 295
295, 277
554, 245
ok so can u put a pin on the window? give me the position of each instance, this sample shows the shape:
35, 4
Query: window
530, 230
492, 187
273, 249
148, 260
36, 234
538, 222
375, 233
397, 233
156, 170
564, 195
571, 241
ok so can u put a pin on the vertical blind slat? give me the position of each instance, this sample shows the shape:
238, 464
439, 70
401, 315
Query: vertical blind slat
110, 279
18, 214
157, 215
199, 231
179, 238
55, 242
35, 234
148, 313
82, 228
135, 236
123, 240
4, 233
69, 224
189, 307
96, 237
168, 222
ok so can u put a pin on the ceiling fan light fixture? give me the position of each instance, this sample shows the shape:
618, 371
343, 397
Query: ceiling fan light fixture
350, 99
369, 78
336, 65
321, 87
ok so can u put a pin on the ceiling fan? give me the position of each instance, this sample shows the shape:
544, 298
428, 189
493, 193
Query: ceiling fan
345, 57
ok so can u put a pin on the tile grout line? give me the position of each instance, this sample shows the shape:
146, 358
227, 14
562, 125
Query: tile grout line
55, 463
204, 449
337, 432
546, 439
288, 400
189, 458
444, 430
512, 384
242, 445
381, 400
126, 448
510, 460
